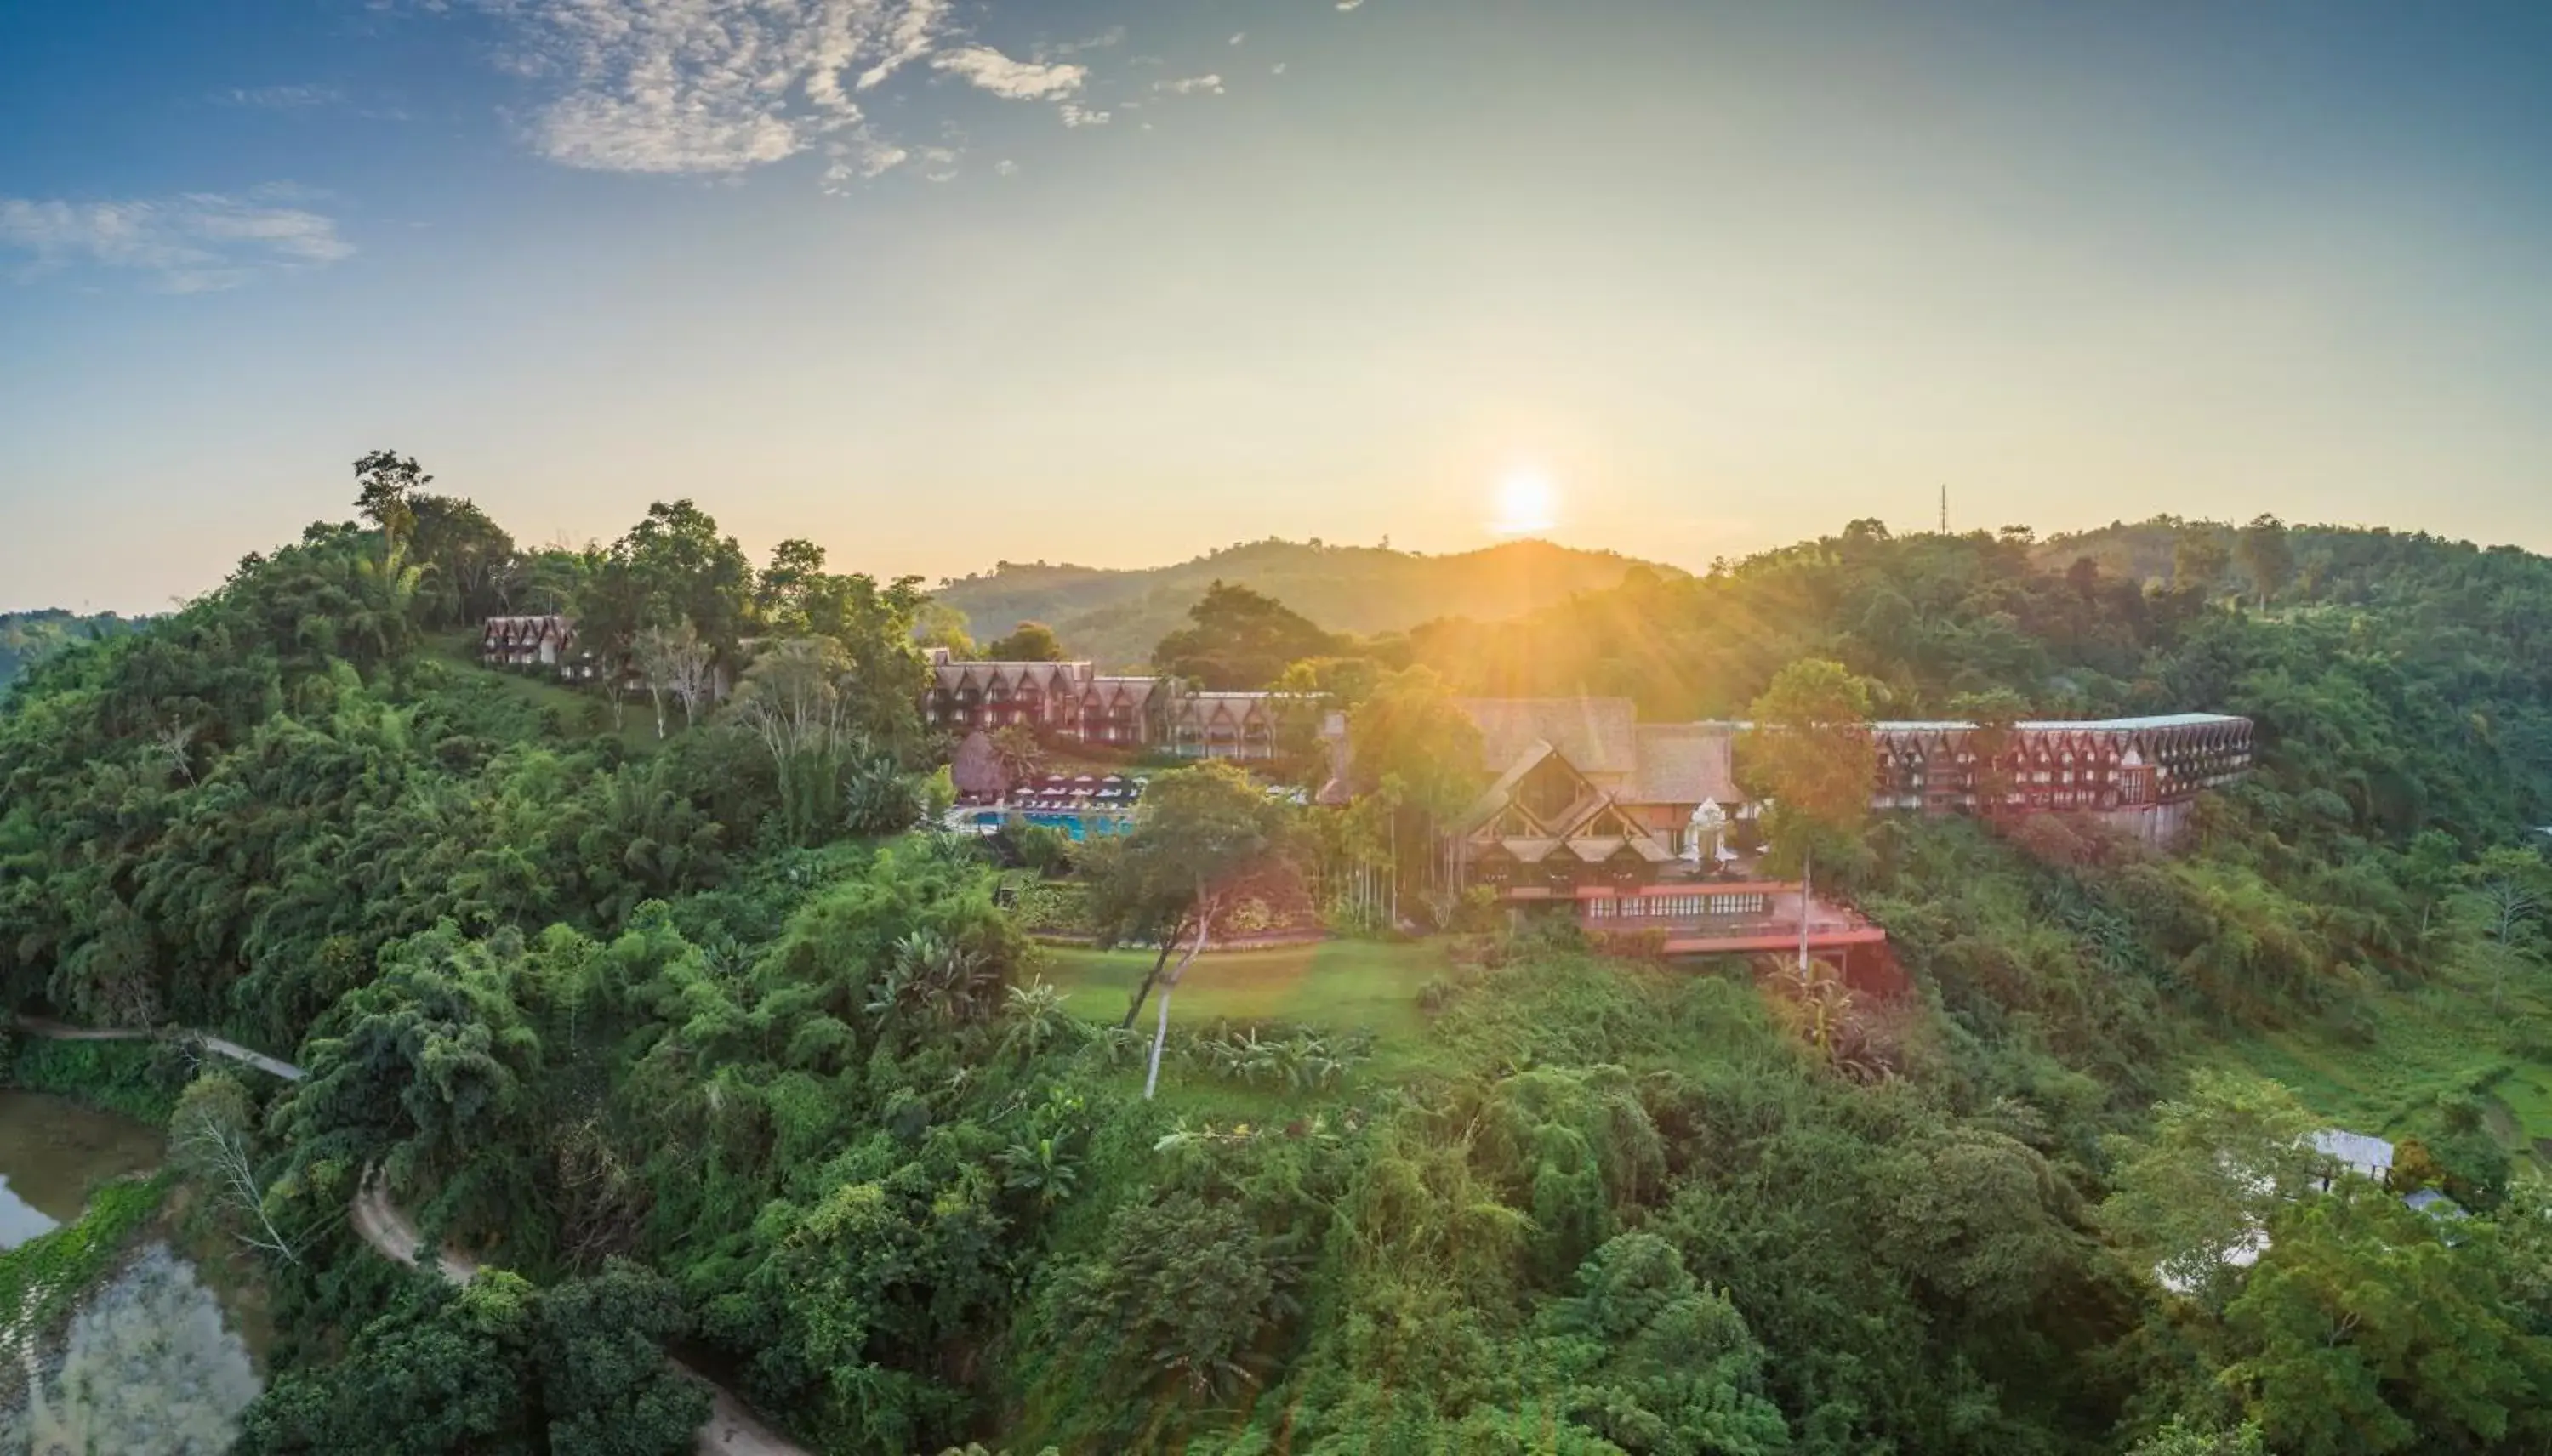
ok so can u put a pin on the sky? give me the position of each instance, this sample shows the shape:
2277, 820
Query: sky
942, 282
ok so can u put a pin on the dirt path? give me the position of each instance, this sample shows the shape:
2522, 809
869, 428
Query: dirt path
38, 1026
732, 1429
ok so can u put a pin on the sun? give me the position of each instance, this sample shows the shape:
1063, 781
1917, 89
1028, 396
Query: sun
1528, 505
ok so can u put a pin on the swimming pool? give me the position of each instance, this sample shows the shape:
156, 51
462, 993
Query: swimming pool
1075, 825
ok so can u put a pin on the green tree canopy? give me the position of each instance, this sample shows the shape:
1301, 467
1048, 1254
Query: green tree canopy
1031, 642
1239, 640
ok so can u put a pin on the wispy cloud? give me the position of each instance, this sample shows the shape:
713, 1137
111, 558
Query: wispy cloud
706, 85
861, 157
1111, 37
1239, 37
719, 87
1018, 80
280, 98
1349, 3
191, 243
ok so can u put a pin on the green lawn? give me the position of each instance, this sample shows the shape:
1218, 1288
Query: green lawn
2420, 1044
1335, 984
574, 707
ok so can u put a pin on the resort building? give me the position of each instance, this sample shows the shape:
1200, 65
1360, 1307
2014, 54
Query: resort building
1630, 823
1071, 702
2140, 775
1125, 712
526, 641
1228, 725
1045, 697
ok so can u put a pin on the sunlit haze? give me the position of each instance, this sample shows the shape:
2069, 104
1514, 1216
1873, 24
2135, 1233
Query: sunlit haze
1528, 505
1118, 283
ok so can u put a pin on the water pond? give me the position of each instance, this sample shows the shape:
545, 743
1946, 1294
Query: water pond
53, 1152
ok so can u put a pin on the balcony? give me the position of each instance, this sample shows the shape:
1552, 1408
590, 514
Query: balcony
1769, 921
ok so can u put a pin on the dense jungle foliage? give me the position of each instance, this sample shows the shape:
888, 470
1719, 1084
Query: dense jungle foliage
700, 1046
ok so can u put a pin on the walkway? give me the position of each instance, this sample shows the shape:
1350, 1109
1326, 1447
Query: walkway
732, 1429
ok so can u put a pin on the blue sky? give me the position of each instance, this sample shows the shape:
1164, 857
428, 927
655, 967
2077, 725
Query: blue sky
940, 282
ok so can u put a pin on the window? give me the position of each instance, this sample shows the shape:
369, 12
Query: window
1549, 789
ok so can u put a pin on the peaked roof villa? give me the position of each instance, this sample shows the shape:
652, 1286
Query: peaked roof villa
1630, 822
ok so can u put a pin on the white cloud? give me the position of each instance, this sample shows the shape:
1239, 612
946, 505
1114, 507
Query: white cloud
1349, 3
862, 157
908, 39
1239, 36
720, 87
1277, 69
1017, 80
191, 243
1006, 168
703, 85
280, 98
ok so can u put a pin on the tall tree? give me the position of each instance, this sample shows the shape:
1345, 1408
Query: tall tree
1996, 713
213, 1136
1410, 731
675, 661
1031, 642
792, 701
937, 624
1810, 752
2193, 1197
470, 557
1197, 835
1239, 640
2368, 1326
781, 593
383, 481
2268, 558
2199, 558
684, 571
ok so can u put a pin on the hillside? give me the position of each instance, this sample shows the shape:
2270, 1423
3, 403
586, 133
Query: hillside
1116, 615
696, 1048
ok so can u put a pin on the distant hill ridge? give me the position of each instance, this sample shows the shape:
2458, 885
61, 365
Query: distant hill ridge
1115, 616
28, 638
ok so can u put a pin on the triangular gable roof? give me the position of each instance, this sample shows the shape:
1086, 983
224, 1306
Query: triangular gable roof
1501, 792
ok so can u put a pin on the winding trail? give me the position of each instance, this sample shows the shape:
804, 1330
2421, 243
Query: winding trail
732, 1428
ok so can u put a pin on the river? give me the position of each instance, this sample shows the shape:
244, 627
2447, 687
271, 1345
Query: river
53, 1152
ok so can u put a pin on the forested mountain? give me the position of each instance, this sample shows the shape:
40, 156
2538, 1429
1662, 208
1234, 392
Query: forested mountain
713, 1042
28, 638
1115, 616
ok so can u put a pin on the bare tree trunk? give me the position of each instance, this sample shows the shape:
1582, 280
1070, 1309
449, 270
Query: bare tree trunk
1169, 943
225, 1154
1161, 1027
1807, 870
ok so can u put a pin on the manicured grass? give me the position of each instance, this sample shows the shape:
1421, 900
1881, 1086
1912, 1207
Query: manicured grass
576, 708
1335, 985
2416, 1046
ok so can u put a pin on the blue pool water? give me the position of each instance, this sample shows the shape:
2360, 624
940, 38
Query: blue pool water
1076, 827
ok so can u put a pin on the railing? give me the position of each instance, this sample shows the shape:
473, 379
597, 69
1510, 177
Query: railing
1729, 927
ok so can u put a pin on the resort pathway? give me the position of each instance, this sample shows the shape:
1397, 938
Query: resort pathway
732, 1428
38, 1026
